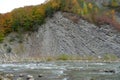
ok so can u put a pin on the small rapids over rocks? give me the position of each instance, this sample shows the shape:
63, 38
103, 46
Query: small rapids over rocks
61, 71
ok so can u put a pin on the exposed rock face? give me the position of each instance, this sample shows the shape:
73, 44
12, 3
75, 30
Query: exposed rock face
61, 35
100, 3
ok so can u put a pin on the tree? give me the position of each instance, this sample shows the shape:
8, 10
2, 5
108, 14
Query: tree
1, 37
113, 14
90, 6
5, 23
49, 12
85, 8
114, 3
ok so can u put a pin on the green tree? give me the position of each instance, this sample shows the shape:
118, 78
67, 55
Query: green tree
49, 12
85, 8
1, 37
114, 3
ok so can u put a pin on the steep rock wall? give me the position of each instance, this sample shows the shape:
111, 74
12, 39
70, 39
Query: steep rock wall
61, 35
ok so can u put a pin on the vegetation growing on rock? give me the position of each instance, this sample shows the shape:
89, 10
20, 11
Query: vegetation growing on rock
29, 17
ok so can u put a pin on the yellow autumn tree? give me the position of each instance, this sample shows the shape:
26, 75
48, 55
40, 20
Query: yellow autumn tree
90, 6
55, 4
76, 8
113, 14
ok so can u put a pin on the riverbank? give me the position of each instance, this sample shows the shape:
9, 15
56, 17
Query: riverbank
64, 58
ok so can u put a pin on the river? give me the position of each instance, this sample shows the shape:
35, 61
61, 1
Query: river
63, 70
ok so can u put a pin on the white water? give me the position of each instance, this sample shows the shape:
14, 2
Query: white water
64, 70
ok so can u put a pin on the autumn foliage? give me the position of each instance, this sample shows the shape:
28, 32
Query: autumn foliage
28, 18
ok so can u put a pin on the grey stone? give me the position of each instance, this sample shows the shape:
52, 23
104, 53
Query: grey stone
60, 35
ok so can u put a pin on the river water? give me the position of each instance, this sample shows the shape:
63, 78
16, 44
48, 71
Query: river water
64, 70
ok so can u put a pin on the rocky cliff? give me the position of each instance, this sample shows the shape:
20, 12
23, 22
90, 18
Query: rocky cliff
61, 35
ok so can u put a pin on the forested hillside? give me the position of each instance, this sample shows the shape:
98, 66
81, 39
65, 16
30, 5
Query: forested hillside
29, 17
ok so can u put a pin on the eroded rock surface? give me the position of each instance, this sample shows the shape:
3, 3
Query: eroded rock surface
61, 35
